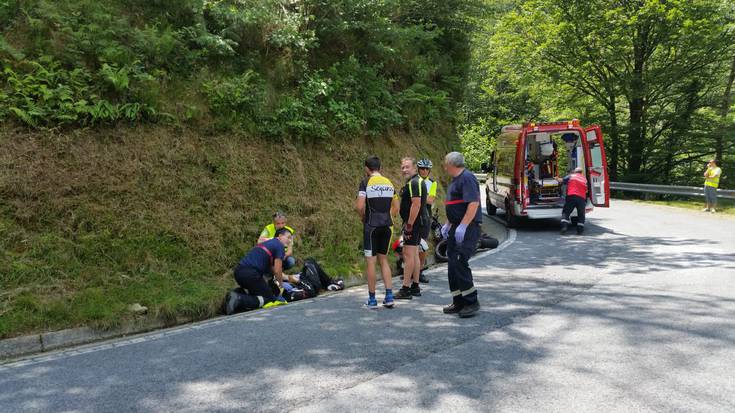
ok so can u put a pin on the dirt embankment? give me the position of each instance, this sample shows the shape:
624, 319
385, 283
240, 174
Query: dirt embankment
93, 221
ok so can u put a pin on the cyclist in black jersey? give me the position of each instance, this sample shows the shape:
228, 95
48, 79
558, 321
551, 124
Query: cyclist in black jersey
430, 185
376, 204
414, 215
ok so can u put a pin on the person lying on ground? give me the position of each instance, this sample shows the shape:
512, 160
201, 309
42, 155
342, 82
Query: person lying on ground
310, 282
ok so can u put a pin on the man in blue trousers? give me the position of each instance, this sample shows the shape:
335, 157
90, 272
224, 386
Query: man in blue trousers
464, 216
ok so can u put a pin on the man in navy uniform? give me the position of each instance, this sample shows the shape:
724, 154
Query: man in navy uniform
256, 268
464, 216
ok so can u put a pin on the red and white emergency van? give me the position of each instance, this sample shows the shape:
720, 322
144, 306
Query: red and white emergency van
528, 159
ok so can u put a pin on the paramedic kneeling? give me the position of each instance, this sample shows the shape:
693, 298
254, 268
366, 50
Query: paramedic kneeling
264, 261
463, 233
576, 198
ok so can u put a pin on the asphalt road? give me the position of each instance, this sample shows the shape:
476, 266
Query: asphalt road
636, 315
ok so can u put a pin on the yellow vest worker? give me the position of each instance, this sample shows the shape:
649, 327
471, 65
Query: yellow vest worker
270, 231
279, 221
711, 182
712, 176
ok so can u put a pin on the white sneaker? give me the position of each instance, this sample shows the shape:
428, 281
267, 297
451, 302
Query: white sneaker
705, 210
713, 210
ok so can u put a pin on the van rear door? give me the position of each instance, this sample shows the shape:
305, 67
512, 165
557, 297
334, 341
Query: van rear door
597, 166
520, 172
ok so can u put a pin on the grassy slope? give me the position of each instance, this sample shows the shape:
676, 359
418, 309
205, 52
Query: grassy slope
93, 221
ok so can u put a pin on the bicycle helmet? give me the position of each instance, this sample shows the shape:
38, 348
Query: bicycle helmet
424, 163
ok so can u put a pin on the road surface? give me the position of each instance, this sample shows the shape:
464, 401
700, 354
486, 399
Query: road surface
636, 315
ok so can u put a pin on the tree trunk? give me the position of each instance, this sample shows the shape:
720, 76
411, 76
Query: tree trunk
614, 139
636, 104
724, 110
680, 128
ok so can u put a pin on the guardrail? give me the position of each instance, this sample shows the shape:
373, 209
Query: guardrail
669, 189
697, 191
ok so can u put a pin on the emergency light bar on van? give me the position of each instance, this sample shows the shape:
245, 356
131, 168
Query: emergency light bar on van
573, 123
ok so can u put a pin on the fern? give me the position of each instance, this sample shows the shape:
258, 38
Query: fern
23, 116
117, 77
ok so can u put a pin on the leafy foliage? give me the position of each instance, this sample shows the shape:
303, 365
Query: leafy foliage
657, 75
45, 94
311, 69
477, 144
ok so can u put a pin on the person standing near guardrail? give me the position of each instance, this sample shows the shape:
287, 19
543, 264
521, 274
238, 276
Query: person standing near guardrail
711, 182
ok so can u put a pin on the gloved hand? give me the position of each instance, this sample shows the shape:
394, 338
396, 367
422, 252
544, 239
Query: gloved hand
445, 230
459, 233
407, 231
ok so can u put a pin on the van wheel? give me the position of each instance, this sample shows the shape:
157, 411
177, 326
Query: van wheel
491, 209
511, 221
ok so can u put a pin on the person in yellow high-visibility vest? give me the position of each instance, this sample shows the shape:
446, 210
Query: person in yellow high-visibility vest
425, 166
269, 232
711, 182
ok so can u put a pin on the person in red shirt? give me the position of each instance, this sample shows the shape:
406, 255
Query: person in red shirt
576, 198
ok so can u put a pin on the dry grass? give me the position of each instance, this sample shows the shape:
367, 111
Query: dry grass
92, 221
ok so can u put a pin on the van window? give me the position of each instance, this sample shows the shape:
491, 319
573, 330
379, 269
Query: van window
505, 154
596, 154
506, 160
579, 161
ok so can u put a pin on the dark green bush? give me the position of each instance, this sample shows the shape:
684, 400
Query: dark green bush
43, 94
309, 70
238, 100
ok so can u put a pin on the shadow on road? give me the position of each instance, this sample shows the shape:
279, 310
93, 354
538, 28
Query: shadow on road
303, 354
603, 248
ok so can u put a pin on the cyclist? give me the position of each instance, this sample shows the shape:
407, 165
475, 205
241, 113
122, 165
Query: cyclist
425, 166
376, 204
413, 213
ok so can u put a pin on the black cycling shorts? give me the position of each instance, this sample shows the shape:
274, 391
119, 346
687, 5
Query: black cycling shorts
376, 240
416, 235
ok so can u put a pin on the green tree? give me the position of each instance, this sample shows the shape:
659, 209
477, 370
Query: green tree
652, 67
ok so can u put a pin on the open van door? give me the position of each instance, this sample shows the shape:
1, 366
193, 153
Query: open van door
597, 164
